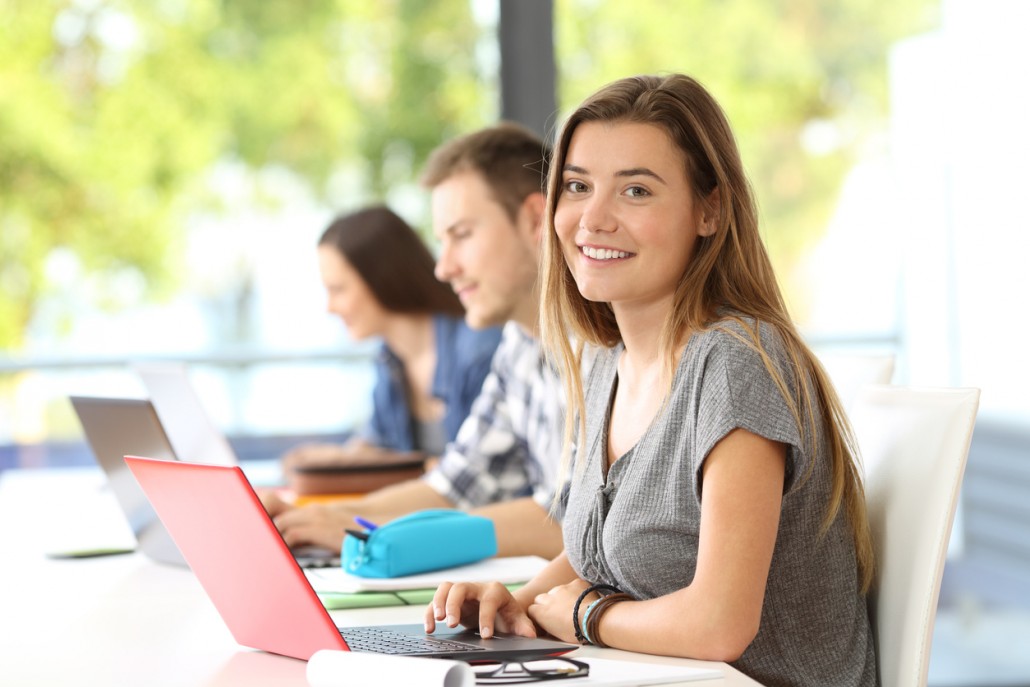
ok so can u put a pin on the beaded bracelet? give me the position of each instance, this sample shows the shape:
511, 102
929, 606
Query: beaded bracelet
586, 620
598, 609
580, 637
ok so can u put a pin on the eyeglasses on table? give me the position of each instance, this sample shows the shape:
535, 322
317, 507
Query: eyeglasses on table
521, 672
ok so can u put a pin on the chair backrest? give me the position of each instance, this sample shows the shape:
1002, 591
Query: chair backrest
914, 444
850, 372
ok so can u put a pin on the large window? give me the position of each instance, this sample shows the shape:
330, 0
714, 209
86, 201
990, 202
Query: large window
805, 86
165, 169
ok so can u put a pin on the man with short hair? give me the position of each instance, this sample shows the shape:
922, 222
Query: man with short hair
488, 214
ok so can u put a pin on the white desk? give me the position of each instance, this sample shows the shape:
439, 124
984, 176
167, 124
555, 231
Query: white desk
124, 620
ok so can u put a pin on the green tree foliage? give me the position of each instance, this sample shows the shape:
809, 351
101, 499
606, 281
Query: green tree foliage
420, 89
111, 112
786, 71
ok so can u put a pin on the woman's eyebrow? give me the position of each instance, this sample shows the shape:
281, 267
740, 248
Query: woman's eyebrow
639, 171
631, 172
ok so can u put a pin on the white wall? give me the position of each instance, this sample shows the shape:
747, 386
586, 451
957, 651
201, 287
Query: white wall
960, 145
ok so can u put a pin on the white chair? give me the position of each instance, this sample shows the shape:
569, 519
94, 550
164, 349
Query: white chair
914, 443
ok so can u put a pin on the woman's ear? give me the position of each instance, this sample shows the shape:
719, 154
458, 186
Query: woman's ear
710, 210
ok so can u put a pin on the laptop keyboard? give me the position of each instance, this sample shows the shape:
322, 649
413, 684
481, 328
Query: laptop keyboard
383, 641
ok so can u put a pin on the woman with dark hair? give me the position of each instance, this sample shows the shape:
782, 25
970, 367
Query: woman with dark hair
716, 507
378, 276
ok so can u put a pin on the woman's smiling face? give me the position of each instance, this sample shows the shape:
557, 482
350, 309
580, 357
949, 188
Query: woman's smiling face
626, 216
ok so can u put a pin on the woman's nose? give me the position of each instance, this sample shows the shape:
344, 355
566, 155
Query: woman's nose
597, 215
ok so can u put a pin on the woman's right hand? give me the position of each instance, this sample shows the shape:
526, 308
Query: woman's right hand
488, 606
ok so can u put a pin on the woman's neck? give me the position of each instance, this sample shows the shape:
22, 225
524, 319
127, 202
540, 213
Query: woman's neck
412, 338
642, 374
641, 327
409, 336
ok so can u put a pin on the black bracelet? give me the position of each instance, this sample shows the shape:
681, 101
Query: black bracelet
580, 637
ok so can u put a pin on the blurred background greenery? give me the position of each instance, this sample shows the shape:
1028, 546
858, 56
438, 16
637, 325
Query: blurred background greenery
113, 114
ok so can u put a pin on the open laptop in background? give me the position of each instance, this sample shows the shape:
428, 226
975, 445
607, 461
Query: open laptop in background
116, 427
193, 434
182, 413
113, 428
263, 596
196, 438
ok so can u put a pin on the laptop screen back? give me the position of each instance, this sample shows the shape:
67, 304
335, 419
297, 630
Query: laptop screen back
115, 427
238, 556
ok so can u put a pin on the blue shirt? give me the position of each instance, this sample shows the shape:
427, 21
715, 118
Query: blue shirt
463, 358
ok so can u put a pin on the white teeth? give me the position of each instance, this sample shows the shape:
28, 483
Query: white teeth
603, 253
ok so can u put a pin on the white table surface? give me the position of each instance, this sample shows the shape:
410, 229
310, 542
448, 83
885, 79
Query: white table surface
125, 620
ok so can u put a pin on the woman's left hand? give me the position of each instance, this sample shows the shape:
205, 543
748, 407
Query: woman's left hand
553, 611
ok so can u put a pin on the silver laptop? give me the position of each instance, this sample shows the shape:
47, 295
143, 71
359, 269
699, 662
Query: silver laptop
116, 427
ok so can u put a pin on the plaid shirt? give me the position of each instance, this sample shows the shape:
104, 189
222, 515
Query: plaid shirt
510, 444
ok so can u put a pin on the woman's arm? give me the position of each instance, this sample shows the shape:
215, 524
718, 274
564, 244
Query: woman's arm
717, 616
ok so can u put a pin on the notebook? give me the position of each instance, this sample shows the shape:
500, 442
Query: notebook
338, 589
116, 427
259, 590
336, 668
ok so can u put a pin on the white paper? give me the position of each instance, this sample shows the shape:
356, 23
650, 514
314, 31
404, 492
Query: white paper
504, 570
617, 673
331, 668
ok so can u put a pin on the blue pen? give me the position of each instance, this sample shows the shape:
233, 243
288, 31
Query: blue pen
370, 526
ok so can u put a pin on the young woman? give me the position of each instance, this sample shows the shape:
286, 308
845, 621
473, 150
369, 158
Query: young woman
378, 276
716, 508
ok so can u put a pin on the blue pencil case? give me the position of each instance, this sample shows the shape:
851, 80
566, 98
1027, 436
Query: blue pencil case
420, 542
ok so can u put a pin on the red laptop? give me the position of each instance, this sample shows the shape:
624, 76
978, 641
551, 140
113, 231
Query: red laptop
235, 550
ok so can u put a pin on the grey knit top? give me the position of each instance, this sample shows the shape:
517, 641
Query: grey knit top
637, 527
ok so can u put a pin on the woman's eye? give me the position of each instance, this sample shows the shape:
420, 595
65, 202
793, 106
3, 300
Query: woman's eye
575, 186
637, 192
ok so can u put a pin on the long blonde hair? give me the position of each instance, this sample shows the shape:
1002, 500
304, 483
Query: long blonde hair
730, 272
